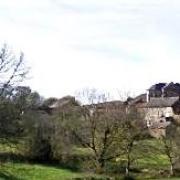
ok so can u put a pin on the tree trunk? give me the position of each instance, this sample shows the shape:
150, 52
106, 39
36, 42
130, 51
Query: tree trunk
128, 166
129, 148
171, 170
99, 165
127, 171
171, 166
102, 164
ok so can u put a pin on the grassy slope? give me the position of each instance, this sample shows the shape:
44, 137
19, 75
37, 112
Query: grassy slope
149, 164
36, 172
25, 171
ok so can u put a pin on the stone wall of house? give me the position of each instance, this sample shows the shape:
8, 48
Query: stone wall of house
155, 122
154, 114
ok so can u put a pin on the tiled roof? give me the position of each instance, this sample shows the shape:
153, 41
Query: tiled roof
139, 99
158, 86
109, 104
162, 102
62, 102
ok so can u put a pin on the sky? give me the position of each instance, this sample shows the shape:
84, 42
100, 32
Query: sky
121, 46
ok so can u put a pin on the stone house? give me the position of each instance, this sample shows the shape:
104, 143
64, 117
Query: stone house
160, 113
161, 105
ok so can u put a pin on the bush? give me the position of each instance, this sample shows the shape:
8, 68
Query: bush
77, 162
40, 150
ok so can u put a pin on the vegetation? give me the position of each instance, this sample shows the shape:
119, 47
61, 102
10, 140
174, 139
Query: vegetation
33, 171
59, 139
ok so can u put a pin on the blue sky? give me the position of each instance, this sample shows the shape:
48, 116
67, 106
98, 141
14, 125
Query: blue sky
117, 45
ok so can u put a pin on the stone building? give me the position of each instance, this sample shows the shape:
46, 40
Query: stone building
160, 113
161, 105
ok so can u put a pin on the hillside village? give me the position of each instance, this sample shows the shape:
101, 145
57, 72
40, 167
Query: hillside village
161, 105
136, 137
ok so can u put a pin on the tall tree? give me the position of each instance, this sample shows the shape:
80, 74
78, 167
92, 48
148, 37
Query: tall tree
104, 128
13, 70
171, 146
134, 130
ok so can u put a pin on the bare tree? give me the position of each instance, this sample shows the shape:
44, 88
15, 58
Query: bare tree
105, 127
12, 69
94, 127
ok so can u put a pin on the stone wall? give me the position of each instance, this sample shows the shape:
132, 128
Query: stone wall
154, 114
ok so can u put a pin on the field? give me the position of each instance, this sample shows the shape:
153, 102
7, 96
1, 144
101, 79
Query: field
23, 171
149, 165
13, 167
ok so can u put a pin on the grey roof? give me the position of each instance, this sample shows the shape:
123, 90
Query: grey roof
162, 101
158, 86
141, 98
62, 102
110, 104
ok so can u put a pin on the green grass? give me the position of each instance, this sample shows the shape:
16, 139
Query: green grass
149, 163
19, 170
22, 171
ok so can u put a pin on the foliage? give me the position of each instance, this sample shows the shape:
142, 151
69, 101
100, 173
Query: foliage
38, 134
12, 71
171, 147
33, 171
109, 137
108, 131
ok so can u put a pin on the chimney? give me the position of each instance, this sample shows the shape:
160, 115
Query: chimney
147, 96
162, 92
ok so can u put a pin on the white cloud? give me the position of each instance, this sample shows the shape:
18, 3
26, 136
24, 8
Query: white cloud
125, 45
